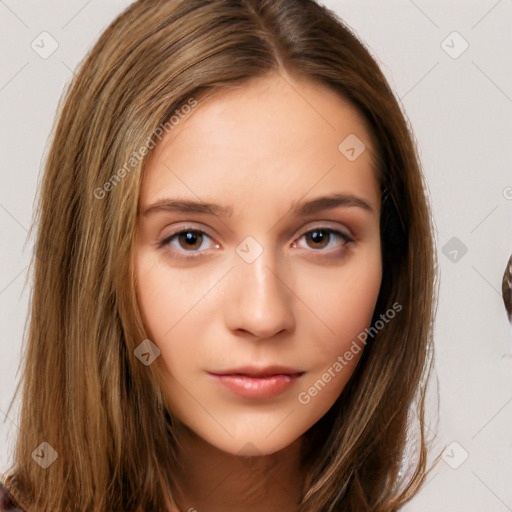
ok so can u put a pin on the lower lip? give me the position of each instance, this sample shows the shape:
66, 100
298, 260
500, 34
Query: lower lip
258, 387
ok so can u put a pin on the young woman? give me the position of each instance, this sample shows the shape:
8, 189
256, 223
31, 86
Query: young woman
234, 281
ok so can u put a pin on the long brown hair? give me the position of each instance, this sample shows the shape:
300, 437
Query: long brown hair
85, 393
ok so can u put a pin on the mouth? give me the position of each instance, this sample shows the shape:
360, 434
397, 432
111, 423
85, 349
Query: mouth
251, 371
258, 382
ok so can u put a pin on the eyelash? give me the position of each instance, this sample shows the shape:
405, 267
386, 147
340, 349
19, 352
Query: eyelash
166, 241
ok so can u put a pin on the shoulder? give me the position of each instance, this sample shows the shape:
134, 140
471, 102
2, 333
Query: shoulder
8, 502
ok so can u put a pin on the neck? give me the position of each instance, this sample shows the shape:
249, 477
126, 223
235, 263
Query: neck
211, 480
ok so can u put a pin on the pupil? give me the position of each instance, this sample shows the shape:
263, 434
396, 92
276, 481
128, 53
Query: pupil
318, 236
191, 238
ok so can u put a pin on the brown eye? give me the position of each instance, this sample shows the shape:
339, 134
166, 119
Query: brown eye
321, 238
190, 239
186, 243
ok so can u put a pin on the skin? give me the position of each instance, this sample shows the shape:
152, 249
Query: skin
258, 149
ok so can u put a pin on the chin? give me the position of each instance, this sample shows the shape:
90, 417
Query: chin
249, 443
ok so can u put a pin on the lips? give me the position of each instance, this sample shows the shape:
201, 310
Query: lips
257, 383
252, 371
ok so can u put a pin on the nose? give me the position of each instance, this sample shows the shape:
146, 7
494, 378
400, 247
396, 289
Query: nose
259, 298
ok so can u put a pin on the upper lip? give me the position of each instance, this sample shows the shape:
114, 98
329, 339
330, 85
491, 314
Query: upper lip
254, 371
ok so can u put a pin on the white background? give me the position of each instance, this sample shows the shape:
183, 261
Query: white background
461, 112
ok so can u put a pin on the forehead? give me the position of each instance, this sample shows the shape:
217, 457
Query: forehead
271, 133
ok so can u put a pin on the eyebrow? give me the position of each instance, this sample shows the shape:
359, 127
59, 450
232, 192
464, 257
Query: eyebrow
299, 208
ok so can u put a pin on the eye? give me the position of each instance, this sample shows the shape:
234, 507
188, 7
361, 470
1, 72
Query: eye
191, 240
186, 239
322, 238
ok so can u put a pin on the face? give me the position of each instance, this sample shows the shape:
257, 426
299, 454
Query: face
253, 302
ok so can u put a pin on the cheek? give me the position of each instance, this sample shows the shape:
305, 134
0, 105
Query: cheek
161, 299
346, 304
150, 294
346, 307
170, 305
